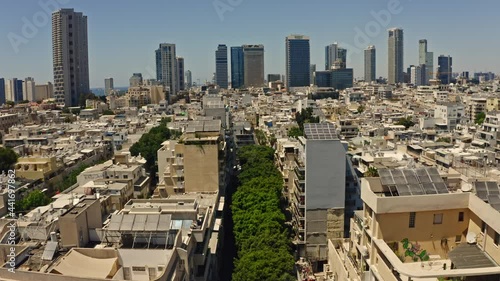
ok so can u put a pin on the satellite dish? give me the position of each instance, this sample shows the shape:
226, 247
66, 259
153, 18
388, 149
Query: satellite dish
471, 238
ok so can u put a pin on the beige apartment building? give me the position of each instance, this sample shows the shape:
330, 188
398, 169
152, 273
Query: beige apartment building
194, 163
458, 231
35, 168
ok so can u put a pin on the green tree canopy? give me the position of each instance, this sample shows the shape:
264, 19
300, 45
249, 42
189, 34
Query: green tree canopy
295, 132
480, 118
34, 199
262, 240
7, 159
407, 122
305, 116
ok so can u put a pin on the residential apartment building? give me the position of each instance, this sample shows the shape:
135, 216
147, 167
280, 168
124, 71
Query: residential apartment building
322, 192
450, 234
70, 56
166, 67
194, 163
448, 115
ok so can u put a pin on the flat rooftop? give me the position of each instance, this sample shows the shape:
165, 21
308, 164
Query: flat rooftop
470, 256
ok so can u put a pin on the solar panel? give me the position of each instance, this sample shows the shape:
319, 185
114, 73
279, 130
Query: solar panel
493, 199
424, 178
400, 180
496, 206
320, 131
491, 186
410, 176
441, 188
396, 173
429, 188
483, 195
403, 190
480, 186
416, 189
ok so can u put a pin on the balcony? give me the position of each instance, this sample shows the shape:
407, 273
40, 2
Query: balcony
179, 161
300, 184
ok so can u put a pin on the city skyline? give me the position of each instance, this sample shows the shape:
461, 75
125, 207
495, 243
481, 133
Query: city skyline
105, 61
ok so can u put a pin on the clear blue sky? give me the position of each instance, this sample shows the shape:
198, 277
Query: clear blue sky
124, 34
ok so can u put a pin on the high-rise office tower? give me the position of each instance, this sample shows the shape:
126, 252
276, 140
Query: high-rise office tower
370, 64
331, 55
166, 67
70, 56
395, 56
108, 85
135, 80
298, 61
444, 69
237, 75
221, 66
341, 58
417, 74
29, 89
312, 73
2, 91
14, 90
180, 74
253, 65
427, 58
189, 79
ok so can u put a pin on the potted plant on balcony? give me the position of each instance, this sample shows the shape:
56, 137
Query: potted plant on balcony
414, 251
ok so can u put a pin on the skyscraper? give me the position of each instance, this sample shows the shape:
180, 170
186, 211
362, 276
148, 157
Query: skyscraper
189, 79
427, 58
166, 67
70, 56
29, 89
331, 55
298, 61
341, 58
221, 66
395, 56
237, 74
417, 74
444, 69
2, 91
108, 85
253, 65
180, 74
312, 73
14, 90
370, 64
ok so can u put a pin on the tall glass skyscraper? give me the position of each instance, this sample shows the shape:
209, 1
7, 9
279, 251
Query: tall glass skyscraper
444, 69
298, 61
166, 67
395, 56
331, 55
180, 74
253, 65
426, 58
221, 66
237, 67
2, 91
370, 64
341, 57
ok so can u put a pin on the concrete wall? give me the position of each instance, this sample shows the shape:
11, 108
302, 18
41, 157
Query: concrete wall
325, 174
201, 168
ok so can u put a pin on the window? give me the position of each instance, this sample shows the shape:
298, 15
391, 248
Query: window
438, 218
458, 238
497, 238
412, 220
461, 216
125, 176
483, 227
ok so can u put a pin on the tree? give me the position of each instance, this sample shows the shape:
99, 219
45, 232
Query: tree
407, 122
295, 132
108, 112
34, 199
305, 116
372, 172
7, 159
480, 118
262, 240
10, 103
444, 139
361, 109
